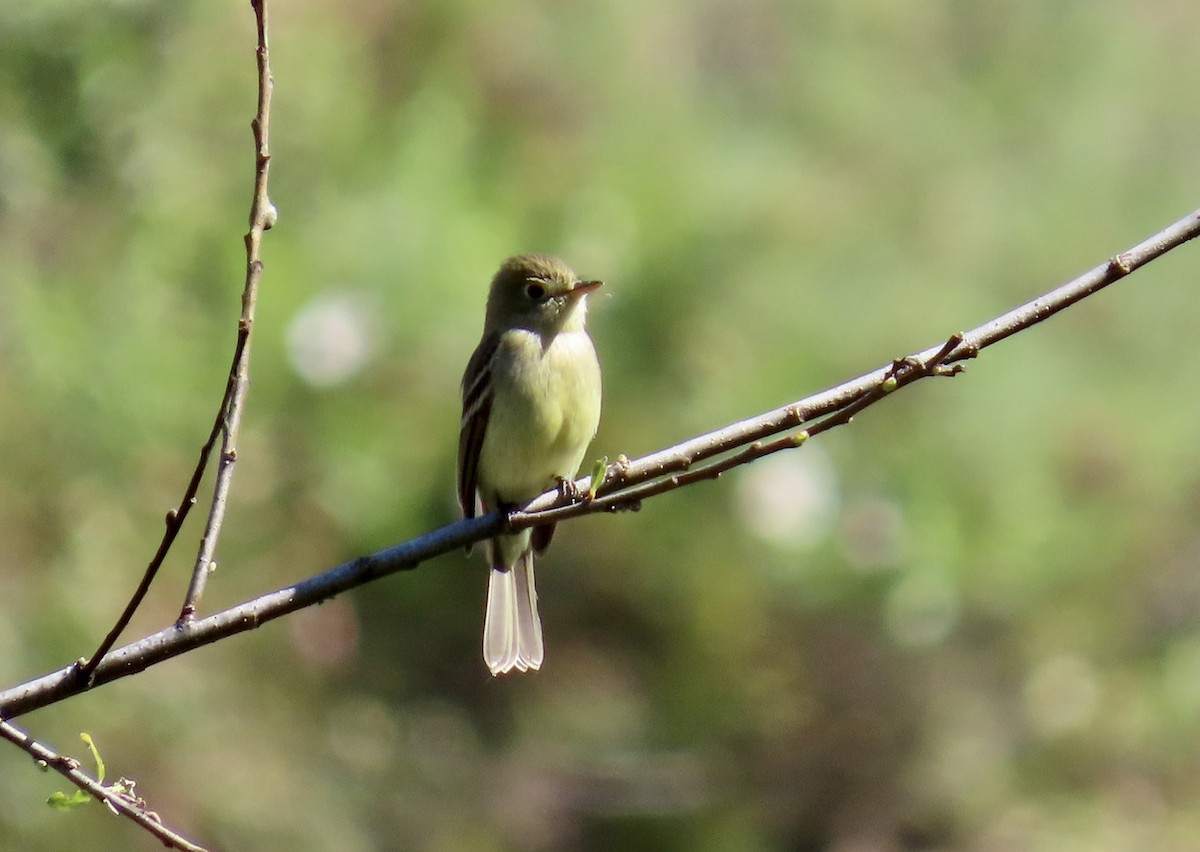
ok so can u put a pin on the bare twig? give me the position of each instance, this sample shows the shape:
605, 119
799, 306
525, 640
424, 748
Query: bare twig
121, 803
174, 523
262, 217
626, 483
229, 413
960, 347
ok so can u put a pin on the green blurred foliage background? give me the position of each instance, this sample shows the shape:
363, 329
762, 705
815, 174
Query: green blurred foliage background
969, 621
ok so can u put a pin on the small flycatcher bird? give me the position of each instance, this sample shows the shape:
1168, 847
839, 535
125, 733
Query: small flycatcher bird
531, 404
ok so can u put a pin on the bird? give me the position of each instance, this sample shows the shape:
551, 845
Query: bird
531, 397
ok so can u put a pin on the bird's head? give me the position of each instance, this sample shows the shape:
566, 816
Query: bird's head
539, 293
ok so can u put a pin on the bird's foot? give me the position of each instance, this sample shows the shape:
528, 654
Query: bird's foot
567, 489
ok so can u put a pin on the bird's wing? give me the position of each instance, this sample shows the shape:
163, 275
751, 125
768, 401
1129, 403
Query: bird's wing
477, 407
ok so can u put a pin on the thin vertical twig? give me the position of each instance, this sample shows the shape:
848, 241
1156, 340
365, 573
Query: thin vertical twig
225, 426
262, 218
174, 522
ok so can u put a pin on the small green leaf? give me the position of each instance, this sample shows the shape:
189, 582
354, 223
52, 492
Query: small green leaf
599, 474
60, 801
87, 741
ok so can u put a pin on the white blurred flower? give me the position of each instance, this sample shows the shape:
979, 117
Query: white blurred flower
790, 499
333, 337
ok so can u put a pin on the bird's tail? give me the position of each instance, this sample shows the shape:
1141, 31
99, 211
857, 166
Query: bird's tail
512, 630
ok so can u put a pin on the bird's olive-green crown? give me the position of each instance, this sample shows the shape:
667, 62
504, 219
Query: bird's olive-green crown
537, 292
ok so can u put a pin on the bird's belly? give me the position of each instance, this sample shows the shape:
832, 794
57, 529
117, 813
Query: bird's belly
542, 420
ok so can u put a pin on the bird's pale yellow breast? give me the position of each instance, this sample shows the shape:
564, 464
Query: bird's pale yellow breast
544, 413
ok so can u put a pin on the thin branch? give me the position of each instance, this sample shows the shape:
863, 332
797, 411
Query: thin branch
177, 639
174, 523
119, 803
229, 413
551, 506
626, 482
262, 218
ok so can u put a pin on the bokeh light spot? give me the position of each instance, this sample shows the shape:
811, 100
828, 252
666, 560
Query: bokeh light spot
790, 499
332, 338
1061, 694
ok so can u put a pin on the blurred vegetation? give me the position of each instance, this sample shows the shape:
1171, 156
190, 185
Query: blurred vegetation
969, 621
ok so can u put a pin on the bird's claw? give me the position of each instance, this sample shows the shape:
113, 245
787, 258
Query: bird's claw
567, 489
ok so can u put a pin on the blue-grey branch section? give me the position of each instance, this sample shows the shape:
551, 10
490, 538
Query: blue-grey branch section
176, 640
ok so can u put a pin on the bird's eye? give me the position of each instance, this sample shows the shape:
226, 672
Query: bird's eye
535, 291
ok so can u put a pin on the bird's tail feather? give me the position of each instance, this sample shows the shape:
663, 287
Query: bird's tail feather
512, 630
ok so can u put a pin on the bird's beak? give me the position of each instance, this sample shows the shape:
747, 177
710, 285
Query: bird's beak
582, 288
